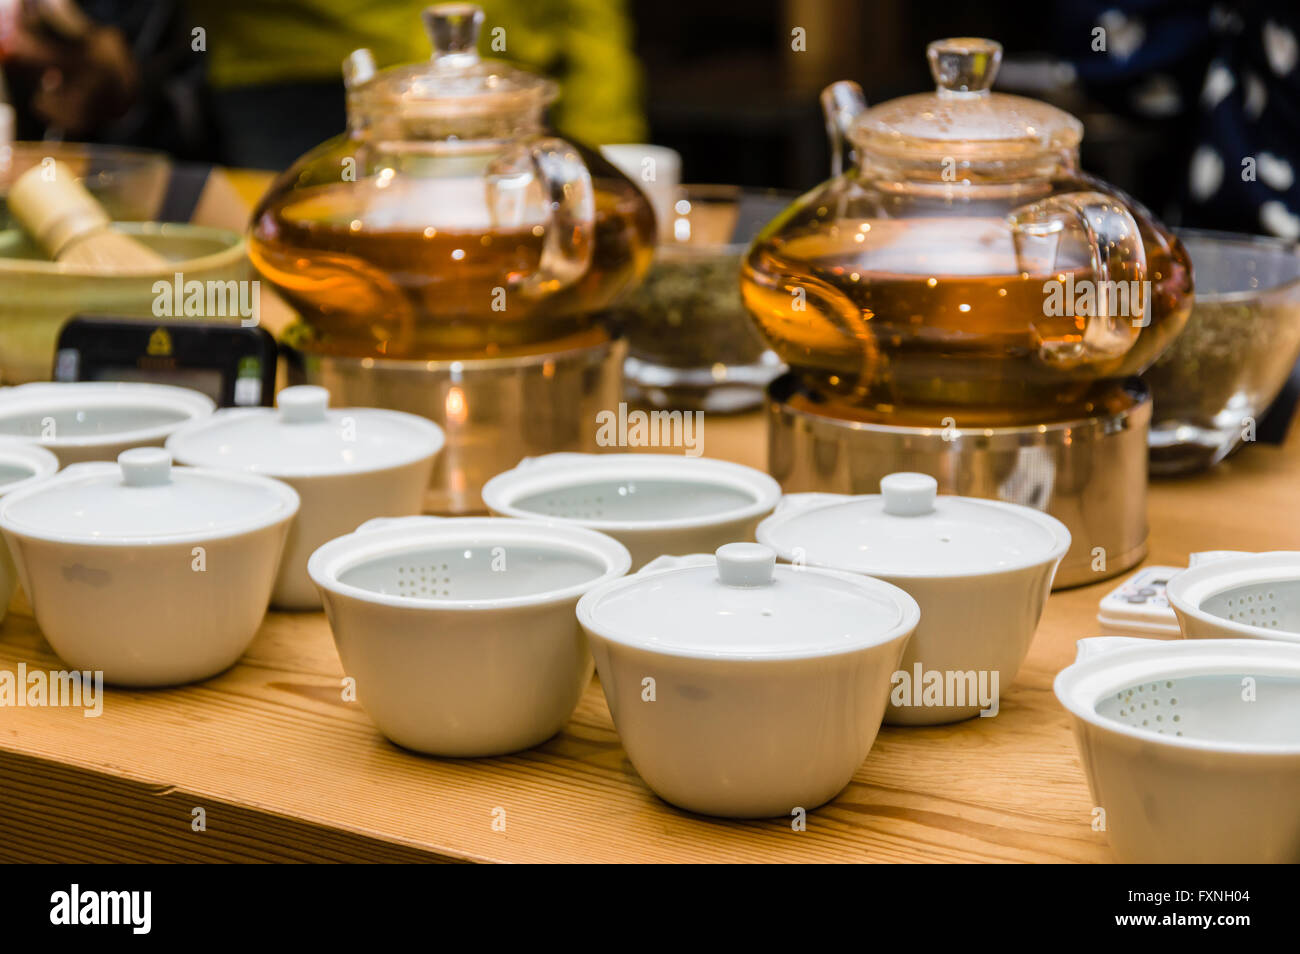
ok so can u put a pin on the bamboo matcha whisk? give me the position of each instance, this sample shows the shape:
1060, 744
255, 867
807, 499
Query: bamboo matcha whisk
71, 226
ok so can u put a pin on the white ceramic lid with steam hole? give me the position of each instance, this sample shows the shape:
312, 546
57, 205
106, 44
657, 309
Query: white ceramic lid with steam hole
304, 437
908, 530
466, 563
631, 491
23, 464
1188, 693
1256, 594
142, 499
738, 604
89, 413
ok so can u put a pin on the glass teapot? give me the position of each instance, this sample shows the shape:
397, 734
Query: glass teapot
446, 222
963, 266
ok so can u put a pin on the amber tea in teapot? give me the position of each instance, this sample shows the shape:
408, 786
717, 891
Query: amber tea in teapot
407, 289
901, 326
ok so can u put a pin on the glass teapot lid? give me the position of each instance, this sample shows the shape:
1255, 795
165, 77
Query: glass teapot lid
455, 83
963, 118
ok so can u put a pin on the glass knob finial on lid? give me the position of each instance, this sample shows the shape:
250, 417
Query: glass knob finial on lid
453, 30
964, 65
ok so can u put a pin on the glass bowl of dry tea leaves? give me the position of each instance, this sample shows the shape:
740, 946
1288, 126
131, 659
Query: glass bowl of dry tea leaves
691, 344
1235, 354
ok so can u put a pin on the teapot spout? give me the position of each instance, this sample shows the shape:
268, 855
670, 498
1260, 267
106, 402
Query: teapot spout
358, 68
842, 103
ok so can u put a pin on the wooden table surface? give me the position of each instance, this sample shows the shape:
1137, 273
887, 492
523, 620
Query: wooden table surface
284, 769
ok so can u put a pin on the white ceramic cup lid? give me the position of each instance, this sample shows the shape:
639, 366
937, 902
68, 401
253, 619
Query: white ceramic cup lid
303, 437
84, 414
143, 498
739, 604
910, 530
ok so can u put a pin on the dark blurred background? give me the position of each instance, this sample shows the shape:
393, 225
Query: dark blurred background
1180, 89
725, 89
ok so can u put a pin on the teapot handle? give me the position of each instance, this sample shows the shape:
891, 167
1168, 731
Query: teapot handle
1121, 293
841, 104
569, 200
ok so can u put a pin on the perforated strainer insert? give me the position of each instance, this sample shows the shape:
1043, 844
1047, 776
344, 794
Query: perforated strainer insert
1224, 695
89, 412
1222, 707
86, 422
474, 571
1272, 605
632, 491
466, 563
1254, 595
635, 500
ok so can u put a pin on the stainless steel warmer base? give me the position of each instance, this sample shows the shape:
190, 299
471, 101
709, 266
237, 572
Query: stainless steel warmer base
1091, 474
494, 411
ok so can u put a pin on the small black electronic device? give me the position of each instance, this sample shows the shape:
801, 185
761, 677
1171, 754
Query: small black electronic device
232, 364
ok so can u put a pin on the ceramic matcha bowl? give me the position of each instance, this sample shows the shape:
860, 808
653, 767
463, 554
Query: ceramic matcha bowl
40, 295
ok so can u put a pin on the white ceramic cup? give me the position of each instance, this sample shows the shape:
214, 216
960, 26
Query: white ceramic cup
460, 632
21, 465
734, 694
978, 614
96, 421
1191, 747
1249, 596
348, 482
654, 504
148, 605
656, 171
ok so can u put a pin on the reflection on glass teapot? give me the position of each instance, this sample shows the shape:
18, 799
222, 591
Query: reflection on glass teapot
963, 265
446, 222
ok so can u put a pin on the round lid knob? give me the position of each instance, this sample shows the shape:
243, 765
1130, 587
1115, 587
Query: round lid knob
145, 466
453, 30
909, 495
964, 64
303, 404
745, 564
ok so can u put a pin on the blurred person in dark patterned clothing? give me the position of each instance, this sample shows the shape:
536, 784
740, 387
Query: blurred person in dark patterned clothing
1222, 79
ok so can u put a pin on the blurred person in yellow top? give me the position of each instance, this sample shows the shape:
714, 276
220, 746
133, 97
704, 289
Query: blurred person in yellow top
274, 66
